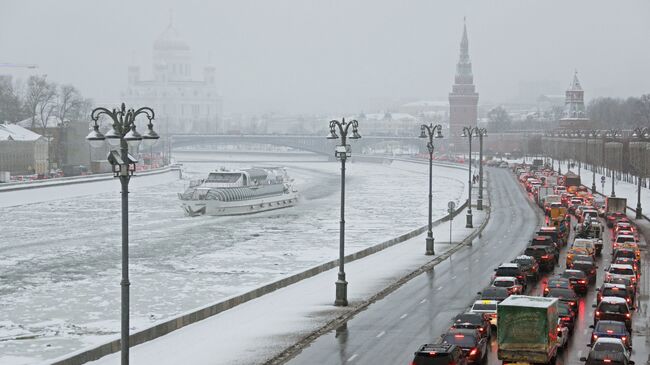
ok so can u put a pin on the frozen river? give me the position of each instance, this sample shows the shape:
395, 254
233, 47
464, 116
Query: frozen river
60, 259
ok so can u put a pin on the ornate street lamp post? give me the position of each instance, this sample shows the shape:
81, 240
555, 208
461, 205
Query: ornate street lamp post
610, 134
482, 132
123, 135
342, 152
643, 134
431, 131
469, 132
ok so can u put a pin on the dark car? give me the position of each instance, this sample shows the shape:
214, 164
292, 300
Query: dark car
566, 315
545, 256
529, 266
566, 295
474, 345
494, 293
614, 290
439, 354
548, 242
614, 309
551, 232
613, 218
587, 267
627, 253
557, 282
578, 279
631, 288
614, 329
511, 270
475, 321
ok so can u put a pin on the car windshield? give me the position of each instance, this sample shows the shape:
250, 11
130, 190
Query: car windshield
469, 318
494, 292
613, 327
623, 281
621, 239
460, 340
507, 271
563, 310
583, 258
607, 346
573, 275
621, 271
625, 253
535, 251
561, 293
558, 283
612, 307
613, 292
503, 283
525, 263
428, 359
484, 307
583, 266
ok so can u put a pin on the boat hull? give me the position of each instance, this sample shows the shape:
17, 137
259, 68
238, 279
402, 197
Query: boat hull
239, 207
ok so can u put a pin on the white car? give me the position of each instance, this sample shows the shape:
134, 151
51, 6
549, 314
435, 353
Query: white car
621, 271
509, 282
610, 344
488, 308
562, 334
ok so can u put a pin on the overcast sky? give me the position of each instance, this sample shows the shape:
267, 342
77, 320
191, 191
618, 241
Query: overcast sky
304, 56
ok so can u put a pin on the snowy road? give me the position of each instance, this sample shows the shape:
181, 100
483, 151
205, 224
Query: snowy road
59, 263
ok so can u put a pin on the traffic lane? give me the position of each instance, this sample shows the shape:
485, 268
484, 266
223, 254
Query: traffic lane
390, 330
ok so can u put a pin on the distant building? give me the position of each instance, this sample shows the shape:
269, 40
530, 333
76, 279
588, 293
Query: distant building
463, 99
22, 151
575, 114
181, 104
389, 124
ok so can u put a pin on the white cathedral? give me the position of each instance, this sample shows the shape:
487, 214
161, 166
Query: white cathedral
182, 105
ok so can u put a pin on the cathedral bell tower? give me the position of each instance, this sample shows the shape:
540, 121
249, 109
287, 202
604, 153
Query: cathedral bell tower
463, 99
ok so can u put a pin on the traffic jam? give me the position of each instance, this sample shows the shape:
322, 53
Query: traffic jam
569, 297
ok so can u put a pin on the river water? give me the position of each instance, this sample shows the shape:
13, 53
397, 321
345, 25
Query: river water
60, 259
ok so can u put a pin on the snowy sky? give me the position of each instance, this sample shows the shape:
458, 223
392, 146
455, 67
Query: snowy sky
339, 56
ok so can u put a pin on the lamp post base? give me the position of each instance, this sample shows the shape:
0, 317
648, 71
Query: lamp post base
429, 246
593, 188
469, 221
341, 291
639, 212
479, 204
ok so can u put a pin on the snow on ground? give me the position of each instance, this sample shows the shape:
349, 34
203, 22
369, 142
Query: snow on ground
60, 259
621, 188
257, 330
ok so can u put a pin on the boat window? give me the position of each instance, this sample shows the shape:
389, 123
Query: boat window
218, 177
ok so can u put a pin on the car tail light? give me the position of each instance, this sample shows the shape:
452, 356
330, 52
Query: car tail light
582, 281
432, 353
572, 303
459, 336
597, 313
545, 256
627, 300
628, 315
566, 319
559, 328
624, 338
473, 352
607, 360
481, 329
609, 332
595, 337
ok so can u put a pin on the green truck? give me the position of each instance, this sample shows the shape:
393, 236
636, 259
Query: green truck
527, 331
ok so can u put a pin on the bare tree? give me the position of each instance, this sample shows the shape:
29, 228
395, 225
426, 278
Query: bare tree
39, 97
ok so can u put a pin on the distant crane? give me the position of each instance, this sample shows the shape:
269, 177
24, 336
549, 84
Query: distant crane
18, 65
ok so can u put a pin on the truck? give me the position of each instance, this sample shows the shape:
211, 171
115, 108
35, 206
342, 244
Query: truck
571, 179
542, 193
527, 329
614, 208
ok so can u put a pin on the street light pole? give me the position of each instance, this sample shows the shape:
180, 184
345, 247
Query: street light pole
342, 152
642, 134
469, 133
482, 132
430, 131
123, 134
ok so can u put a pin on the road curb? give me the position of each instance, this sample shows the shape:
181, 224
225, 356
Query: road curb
293, 350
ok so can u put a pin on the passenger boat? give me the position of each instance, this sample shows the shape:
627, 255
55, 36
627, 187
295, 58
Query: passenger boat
236, 192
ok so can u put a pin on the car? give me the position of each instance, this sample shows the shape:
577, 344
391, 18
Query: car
608, 351
486, 307
573, 252
611, 329
627, 261
509, 282
545, 256
529, 266
475, 321
551, 232
562, 334
474, 345
494, 293
587, 258
566, 295
614, 290
634, 246
588, 268
556, 282
546, 241
618, 270
439, 354
615, 309
511, 269
585, 243
566, 315
631, 288
613, 218
621, 239
623, 226
578, 279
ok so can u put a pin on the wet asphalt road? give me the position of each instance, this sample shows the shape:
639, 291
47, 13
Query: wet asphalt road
390, 330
